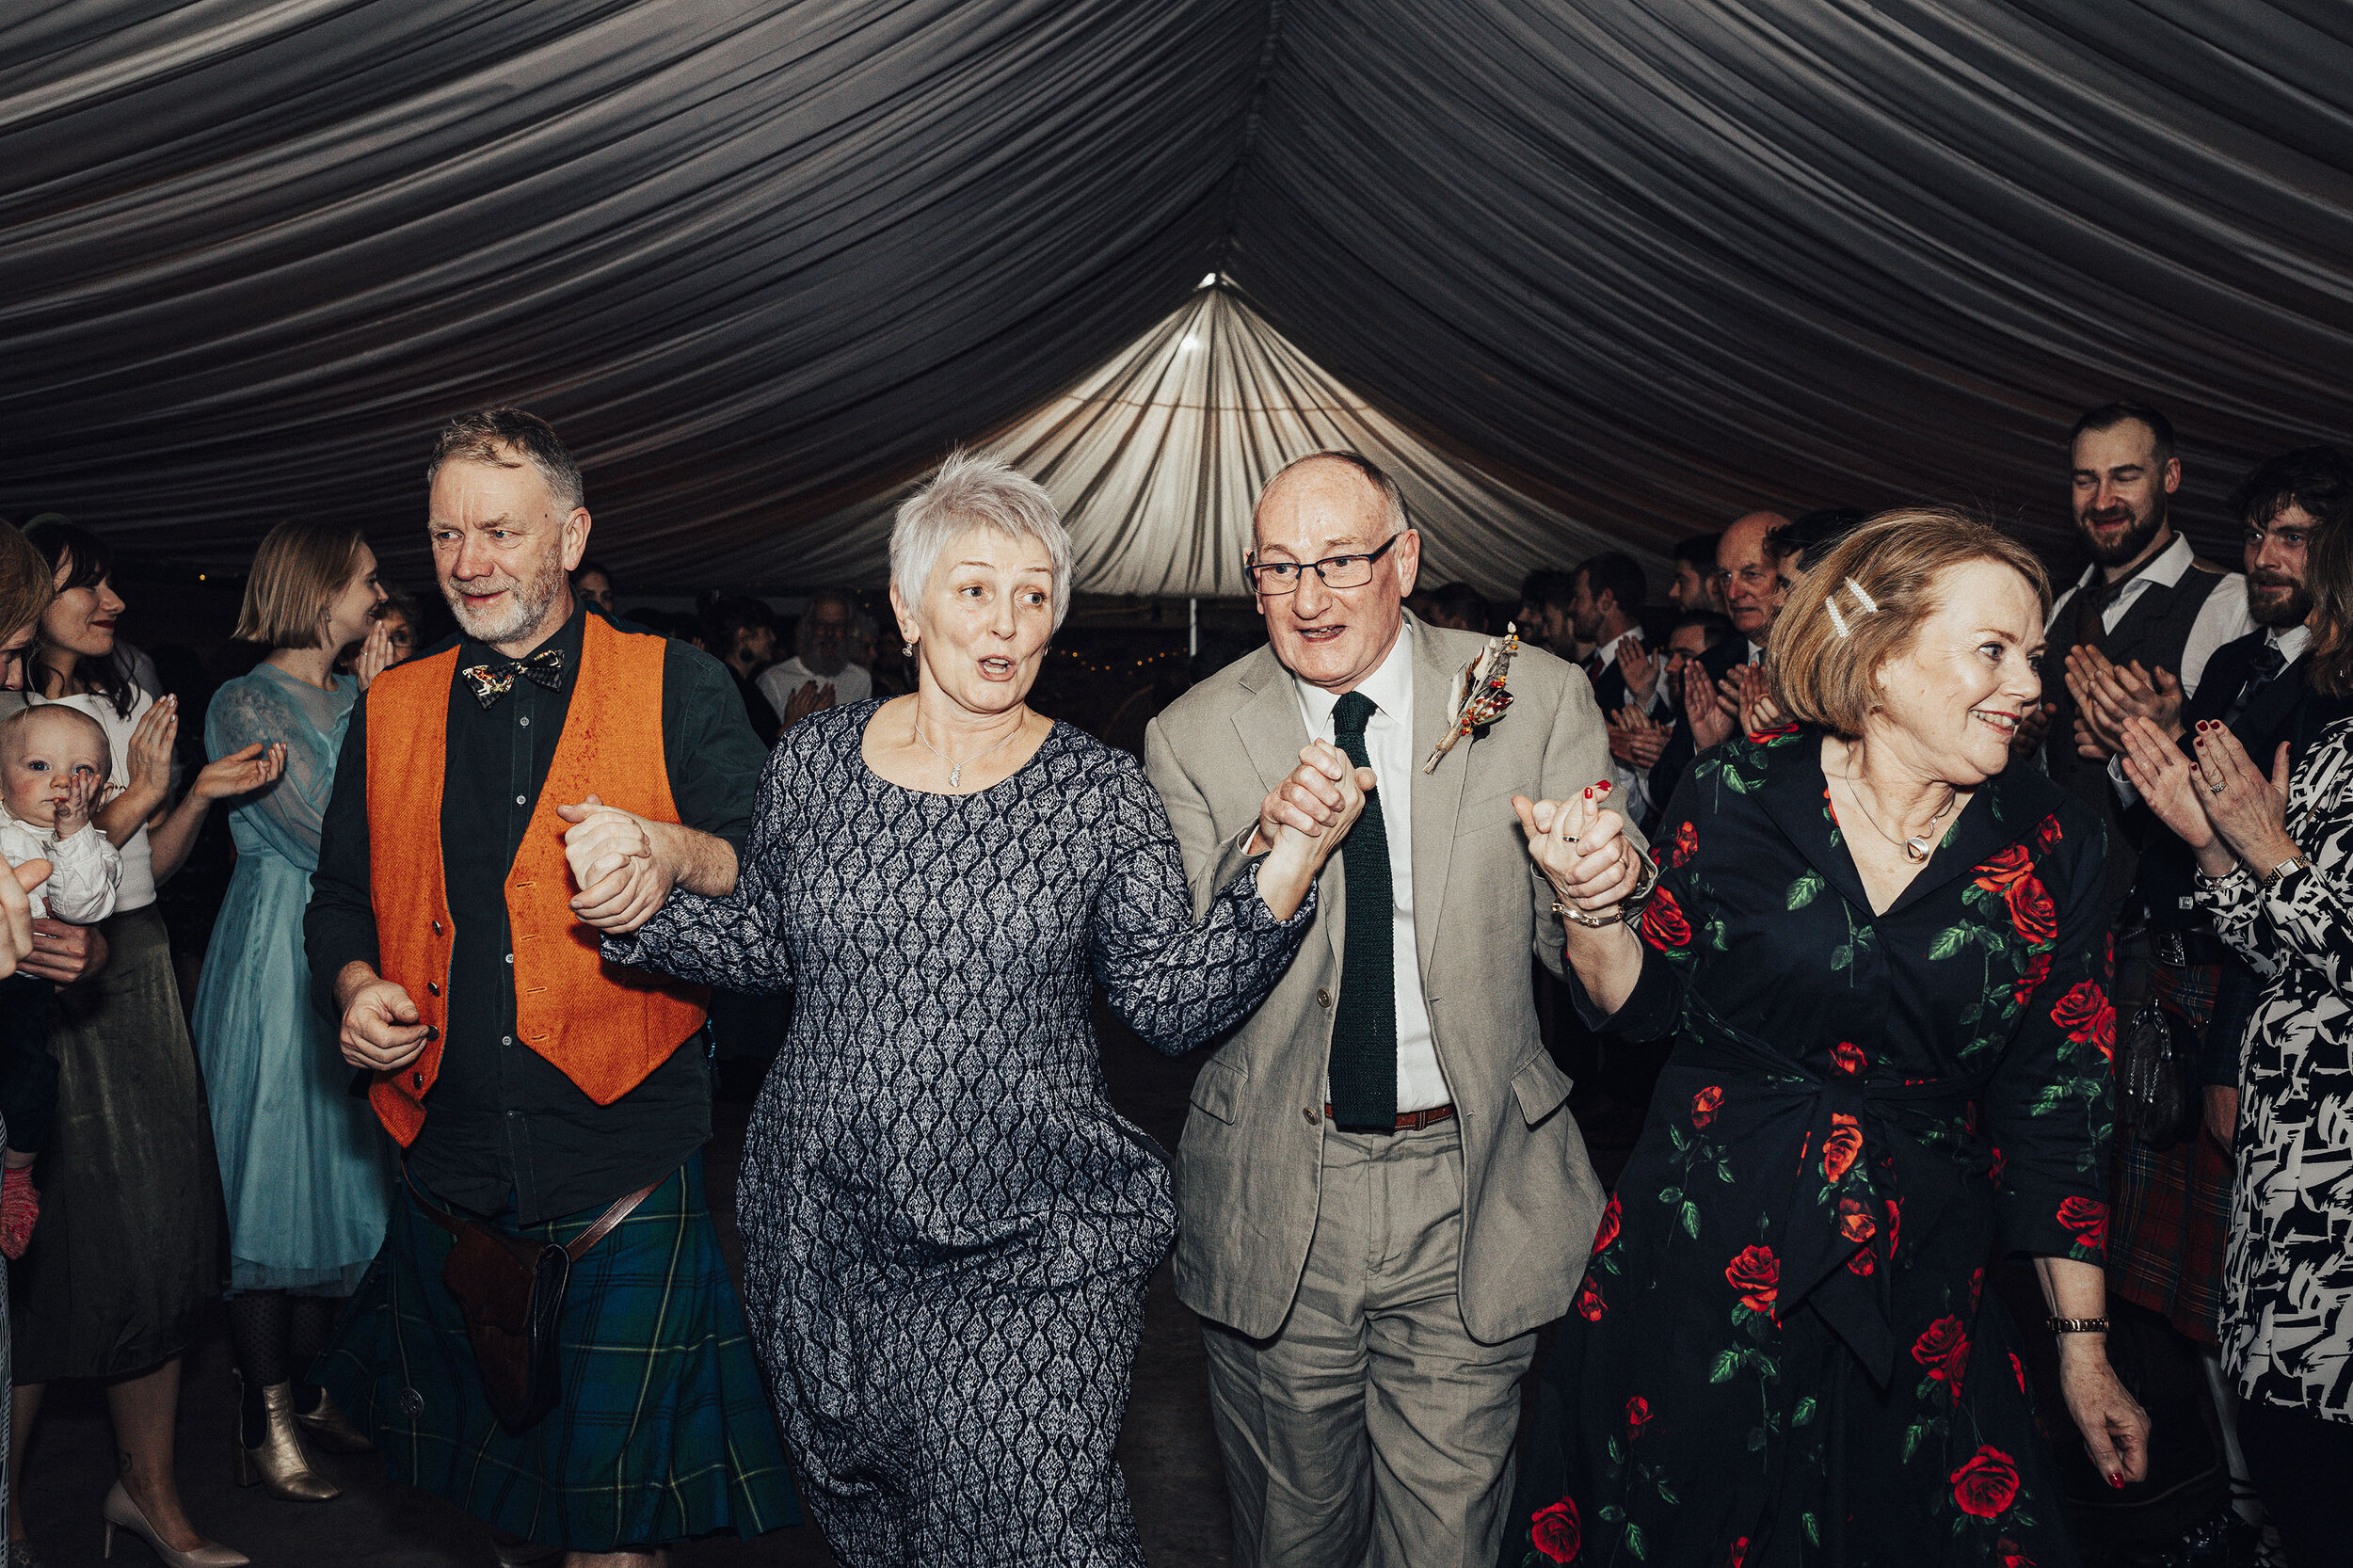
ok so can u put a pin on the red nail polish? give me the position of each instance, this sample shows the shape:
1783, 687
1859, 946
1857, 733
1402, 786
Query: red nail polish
2115, 1479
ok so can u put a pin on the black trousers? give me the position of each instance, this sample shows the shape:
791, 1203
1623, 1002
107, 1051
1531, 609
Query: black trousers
2301, 1464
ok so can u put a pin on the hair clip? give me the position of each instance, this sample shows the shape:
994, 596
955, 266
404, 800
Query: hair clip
1859, 596
1836, 619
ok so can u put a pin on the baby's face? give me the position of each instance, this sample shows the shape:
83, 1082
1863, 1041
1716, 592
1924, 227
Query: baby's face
41, 759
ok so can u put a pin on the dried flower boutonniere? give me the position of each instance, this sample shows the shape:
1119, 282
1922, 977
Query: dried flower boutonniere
1479, 698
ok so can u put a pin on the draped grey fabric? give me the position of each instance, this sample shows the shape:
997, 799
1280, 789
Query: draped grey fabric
1641, 264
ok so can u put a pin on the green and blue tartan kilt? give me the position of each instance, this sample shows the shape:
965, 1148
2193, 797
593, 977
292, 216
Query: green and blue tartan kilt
2170, 1226
664, 1431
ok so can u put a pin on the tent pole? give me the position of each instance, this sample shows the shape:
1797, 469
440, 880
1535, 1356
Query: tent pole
1193, 627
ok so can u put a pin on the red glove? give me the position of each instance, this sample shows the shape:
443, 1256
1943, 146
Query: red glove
20, 1210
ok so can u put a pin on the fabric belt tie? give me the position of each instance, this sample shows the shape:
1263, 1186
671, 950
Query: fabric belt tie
1362, 1066
1834, 1197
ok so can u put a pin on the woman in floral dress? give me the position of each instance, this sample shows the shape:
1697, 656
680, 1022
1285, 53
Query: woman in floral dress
1880, 955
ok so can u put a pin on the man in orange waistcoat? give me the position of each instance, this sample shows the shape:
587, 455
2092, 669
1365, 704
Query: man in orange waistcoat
547, 774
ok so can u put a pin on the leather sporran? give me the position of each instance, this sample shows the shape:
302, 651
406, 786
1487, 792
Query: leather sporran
2155, 1096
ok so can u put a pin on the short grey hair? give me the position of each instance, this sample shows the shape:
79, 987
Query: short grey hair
510, 438
969, 493
1392, 499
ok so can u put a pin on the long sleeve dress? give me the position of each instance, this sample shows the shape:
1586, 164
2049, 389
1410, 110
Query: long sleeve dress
2287, 1313
947, 1229
306, 1171
1782, 1352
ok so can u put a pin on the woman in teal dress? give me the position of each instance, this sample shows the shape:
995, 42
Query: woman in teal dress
306, 1171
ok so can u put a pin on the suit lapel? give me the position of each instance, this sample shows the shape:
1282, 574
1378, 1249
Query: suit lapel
2271, 715
1435, 797
1269, 722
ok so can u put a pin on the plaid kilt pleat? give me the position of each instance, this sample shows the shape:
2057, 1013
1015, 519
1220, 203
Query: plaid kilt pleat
2170, 1226
664, 1431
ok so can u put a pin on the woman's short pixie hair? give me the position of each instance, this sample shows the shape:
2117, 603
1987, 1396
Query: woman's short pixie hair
296, 575
969, 493
1863, 604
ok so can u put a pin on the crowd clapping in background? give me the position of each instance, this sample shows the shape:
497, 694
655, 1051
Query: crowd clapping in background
2194, 707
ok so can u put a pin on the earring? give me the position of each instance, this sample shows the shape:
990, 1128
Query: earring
906, 650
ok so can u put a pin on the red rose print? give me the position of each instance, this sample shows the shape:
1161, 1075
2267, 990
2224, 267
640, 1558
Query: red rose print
1739, 1552
2018, 1370
2008, 1554
1850, 1057
1840, 1149
2037, 971
1637, 1414
1895, 1226
1553, 1531
1854, 1220
1663, 925
1687, 844
1998, 1162
1756, 1274
1996, 874
1865, 1262
1985, 1483
1609, 1229
2085, 1013
1590, 1307
2089, 1219
2047, 835
1706, 1104
1942, 1347
2032, 914
1774, 732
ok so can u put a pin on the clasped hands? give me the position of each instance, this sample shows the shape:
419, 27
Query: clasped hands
1582, 848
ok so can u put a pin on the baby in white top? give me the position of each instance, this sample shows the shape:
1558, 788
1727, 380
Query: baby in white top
54, 765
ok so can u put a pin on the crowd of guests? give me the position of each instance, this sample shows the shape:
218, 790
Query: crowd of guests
1971, 920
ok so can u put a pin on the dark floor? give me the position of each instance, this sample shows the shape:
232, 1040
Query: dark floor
1167, 1449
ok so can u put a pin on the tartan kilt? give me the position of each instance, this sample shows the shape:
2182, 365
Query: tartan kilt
2169, 1223
665, 1430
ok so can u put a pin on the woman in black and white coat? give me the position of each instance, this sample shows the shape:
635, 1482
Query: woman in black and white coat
2276, 872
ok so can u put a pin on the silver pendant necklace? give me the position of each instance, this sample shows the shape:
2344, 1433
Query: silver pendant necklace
955, 769
1918, 846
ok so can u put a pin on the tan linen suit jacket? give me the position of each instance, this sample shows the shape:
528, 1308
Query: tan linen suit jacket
1250, 1166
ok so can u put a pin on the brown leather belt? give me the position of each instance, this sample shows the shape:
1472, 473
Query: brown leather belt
1407, 1121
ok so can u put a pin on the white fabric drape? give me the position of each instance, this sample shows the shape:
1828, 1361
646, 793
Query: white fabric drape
1641, 264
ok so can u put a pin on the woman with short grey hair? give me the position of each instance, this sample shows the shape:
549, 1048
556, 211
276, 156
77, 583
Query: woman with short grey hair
947, 1228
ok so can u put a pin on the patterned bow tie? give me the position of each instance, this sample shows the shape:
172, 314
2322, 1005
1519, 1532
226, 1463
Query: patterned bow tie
493, 680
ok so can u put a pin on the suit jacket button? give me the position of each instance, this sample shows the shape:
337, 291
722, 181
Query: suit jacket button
1323, 997
416, 1080
1308, 1112
433, 988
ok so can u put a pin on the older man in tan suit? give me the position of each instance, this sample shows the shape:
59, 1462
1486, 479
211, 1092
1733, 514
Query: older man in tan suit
1382, 1192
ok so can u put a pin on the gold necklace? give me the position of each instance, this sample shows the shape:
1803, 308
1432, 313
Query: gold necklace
1917, 847
955, 769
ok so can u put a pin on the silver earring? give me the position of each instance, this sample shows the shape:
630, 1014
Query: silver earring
906, 650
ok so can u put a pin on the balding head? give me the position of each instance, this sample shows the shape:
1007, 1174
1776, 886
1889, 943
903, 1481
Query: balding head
1321, 507
1751, 588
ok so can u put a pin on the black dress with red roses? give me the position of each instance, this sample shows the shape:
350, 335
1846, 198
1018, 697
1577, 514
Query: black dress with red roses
1784, 1352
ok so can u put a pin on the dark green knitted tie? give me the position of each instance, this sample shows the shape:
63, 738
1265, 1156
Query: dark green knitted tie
1364, 1029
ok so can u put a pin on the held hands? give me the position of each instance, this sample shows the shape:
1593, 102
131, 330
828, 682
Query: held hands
1303, 820
1582, 848
621, 877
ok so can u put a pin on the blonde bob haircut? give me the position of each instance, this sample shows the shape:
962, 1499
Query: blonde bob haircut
1863, 606
296, 575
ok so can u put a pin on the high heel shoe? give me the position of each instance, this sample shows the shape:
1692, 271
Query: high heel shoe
279, 1463
123, 1514
327, 1427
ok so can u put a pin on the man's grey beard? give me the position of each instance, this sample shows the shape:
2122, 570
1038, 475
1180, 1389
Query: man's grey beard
831, 662
2134, 542
532, 601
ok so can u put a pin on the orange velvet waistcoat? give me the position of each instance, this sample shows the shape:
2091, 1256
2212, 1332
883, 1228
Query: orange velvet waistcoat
605, 1026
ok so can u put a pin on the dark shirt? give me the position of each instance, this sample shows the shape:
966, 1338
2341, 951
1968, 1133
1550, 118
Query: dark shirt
504, 1128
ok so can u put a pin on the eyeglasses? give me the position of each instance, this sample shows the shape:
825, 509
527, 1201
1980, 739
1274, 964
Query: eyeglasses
1338, 571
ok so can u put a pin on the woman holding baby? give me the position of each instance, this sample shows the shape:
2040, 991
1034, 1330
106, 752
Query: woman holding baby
127, 1250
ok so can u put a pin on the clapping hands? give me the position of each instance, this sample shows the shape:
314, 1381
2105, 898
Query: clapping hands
1710, 717
2107, 694
1636, 738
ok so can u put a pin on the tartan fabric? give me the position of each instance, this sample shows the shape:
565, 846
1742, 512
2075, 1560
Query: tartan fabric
2169, 1223
664, 1431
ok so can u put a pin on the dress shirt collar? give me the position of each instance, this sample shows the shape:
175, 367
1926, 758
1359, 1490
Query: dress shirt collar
1756, 652
2165, 570
568, 637
1390, 687
2291, 641
1608, 653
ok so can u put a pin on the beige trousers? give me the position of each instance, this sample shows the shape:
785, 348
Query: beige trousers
1371, 1431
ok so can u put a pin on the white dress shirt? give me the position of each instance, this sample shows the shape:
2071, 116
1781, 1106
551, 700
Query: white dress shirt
1633, 783
777, 683
1390, 748
2223, 618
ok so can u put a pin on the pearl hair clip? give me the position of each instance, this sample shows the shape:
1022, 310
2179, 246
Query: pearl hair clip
1830, 603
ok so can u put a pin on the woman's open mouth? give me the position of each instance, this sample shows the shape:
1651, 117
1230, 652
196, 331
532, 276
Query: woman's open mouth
2006, 723
997, 669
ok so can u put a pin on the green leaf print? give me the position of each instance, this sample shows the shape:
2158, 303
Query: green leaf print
1802, 891
1804, 1412
1813, 1531
1635, 1543
1691, 1219
1949, 941
1841, 955
1727, 1363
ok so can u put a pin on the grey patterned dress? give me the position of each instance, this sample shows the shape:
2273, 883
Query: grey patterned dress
2287, 1314
947, 1229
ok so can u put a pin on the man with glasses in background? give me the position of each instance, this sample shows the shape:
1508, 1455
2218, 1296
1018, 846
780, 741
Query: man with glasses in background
1750, 585
1382, 1190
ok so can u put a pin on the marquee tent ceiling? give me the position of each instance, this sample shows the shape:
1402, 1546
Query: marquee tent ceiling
1156, 458
1645, 263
